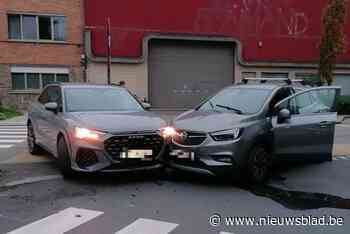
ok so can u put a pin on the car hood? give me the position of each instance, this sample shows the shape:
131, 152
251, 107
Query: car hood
119, 121
208, 121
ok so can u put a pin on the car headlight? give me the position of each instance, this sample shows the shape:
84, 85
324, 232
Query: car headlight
87, 134
227, 135
168, 132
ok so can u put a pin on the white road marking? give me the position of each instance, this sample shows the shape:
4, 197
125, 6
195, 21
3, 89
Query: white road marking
60, 222
14, 137
148, 226
11, 141
5, 146
226, 233
12, 133
31, 180
13, 129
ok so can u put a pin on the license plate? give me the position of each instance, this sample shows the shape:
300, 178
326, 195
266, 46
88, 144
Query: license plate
182, 154
139, 153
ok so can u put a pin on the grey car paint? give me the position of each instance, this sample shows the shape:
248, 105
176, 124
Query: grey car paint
308, 136
49, 125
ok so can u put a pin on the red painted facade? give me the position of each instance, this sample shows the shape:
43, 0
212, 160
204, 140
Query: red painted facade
288, 29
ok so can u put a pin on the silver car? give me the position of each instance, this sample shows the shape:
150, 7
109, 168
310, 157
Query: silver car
91, 128
241, 130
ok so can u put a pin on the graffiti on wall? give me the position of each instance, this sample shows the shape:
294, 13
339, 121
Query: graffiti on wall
251, 18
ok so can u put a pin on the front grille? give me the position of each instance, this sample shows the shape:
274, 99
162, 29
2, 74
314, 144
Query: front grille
115, 145
188, 138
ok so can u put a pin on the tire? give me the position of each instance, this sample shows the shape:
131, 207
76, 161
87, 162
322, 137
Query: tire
259, 165
64, 161
33, 148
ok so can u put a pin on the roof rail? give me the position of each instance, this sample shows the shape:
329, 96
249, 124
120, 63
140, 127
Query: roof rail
265, 80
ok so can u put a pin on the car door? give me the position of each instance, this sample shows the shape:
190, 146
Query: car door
309, 132
52, 120
38, 116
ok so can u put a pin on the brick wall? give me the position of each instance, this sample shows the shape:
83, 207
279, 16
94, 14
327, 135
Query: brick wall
40, 54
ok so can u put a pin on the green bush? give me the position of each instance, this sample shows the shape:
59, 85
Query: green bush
8, 112
343, 105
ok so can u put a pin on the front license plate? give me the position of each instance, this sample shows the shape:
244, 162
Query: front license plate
182, 154
139, 153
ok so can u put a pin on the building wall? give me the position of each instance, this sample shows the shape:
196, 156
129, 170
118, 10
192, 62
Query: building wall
135, 76
39, 54
269, 30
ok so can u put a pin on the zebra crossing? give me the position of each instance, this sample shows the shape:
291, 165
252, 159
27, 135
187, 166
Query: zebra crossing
10, 135
71, 218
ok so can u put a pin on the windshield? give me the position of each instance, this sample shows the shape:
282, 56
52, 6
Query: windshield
100, 99
238, 100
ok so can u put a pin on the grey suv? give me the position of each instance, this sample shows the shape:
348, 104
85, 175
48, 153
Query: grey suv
92, 128
244, 128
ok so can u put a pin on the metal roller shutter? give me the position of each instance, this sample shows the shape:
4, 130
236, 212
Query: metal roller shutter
183, 73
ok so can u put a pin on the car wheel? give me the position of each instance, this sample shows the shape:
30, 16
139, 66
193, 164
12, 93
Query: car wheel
34, 149
64, 161
259, 165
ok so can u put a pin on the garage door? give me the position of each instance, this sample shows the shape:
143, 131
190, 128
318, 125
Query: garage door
183, 73
343, 80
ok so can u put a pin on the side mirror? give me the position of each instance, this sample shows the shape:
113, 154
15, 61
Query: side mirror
146, 105
52, 106
283, 116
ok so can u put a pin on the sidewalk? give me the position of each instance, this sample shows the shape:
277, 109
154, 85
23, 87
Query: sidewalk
344, 119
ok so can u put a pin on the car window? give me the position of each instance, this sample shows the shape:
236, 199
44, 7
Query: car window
100, 99
313, 101
54, 95
44, 98
279, 96
239, 100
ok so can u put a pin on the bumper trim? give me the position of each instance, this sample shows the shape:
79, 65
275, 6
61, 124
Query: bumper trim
153, 167
191, 169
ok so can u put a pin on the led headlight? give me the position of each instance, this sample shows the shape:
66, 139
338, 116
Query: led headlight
168, 132
87, 134
227, 135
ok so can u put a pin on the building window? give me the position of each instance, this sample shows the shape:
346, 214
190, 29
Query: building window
37, 78
274, 75
36, 28
310, 78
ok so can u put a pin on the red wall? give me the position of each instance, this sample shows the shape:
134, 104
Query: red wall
289, 29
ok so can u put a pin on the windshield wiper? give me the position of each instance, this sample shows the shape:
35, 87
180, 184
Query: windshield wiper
230, 108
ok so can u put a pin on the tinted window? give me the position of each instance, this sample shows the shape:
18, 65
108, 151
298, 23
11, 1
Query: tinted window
54, 94
45, 28
100, 99
33, 81
246, 100
14, 26
18, 81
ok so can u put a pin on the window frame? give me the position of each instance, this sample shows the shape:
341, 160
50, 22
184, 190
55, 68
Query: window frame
40, 80
51, 16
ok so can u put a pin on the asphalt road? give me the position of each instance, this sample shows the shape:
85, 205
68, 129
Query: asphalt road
34, 198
